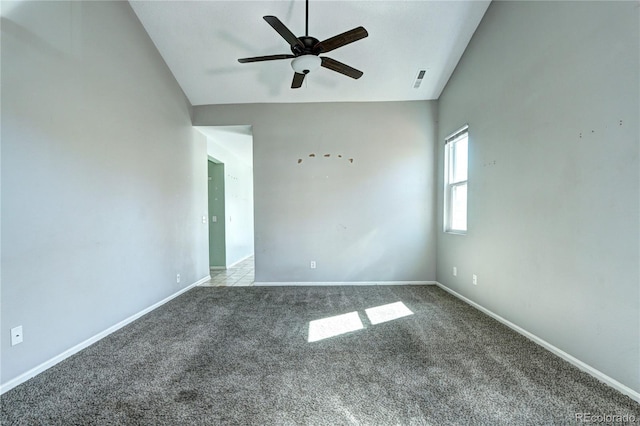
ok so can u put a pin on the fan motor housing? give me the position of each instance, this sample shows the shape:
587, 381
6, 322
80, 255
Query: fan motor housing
309, 44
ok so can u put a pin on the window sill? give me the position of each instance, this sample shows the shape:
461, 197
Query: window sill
456, 232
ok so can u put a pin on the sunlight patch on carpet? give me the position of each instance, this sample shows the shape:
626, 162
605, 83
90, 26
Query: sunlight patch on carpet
389, 312
334, 326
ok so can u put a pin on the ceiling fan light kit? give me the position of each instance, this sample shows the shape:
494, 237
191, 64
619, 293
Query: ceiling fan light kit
306, 50
306, 63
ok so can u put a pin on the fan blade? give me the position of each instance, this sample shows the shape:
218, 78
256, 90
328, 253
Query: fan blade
342, 39
336, 66
265, 58
297, 80
283, 31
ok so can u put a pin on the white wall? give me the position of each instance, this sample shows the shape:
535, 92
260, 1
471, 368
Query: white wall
103, 177
369, 220
238, 189
550, 91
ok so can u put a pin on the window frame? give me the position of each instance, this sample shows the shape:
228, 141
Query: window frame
449, 185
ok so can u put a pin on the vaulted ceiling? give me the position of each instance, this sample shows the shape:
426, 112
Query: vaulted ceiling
201, 42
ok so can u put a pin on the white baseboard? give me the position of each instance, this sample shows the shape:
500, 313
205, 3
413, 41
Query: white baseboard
337, 283
559, 352
77, 348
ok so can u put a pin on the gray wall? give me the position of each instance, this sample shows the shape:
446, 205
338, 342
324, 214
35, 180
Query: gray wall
103, 182
372, 219
550, 91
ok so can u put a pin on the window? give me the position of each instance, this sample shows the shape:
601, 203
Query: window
455, 177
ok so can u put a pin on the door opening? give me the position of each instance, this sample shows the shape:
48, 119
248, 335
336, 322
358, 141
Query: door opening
230, 186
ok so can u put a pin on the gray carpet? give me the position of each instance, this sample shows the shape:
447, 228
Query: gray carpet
241, 356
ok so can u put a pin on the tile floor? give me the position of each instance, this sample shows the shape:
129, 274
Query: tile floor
240, 275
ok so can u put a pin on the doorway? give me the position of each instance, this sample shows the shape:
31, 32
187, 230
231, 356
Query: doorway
230, 194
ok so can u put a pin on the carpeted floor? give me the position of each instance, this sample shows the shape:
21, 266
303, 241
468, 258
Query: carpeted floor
242, 356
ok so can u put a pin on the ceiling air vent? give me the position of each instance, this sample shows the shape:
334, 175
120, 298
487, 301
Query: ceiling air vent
418, 81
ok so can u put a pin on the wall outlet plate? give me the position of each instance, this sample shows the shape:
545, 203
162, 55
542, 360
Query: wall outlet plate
16, 335
312, 264
475, 279
178, 278
455, 271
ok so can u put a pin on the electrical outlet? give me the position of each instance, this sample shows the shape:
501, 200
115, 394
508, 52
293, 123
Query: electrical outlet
16, 335
455, 271
312, 265
178, 278
204, 219
475, 279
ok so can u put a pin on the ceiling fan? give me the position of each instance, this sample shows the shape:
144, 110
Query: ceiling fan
306, 50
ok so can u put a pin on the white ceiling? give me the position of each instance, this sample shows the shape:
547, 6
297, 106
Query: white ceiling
202, 40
